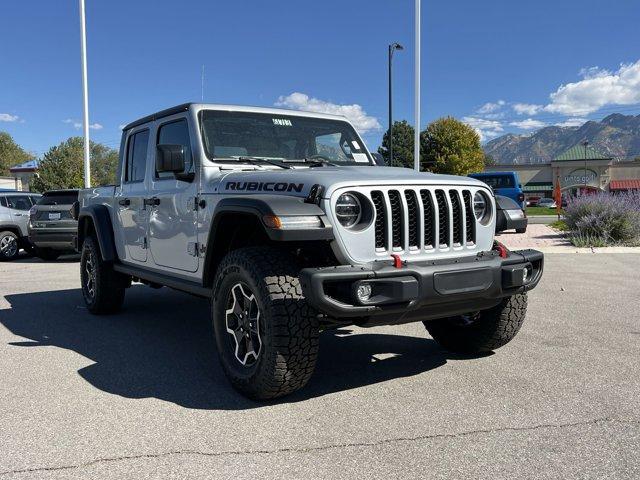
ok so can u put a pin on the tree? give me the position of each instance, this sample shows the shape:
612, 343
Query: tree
402, 145
452, 147
62, 166
11, 154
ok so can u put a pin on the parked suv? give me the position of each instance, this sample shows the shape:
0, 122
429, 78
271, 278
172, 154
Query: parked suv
283, 220
506, 184
14, 220
52, 229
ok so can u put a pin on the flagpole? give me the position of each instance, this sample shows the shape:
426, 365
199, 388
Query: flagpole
416, 133
85, 97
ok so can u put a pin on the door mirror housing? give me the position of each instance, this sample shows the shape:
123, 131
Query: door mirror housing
170, 158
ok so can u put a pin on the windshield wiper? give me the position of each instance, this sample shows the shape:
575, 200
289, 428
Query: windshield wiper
318, 162
258, 161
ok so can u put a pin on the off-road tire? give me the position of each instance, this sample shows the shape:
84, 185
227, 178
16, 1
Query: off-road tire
290, 339
521, 230
489, 330
11, 250
47, 254
108, 285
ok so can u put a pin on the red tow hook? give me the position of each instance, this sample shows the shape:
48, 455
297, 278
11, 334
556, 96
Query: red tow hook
397, 263
503, 252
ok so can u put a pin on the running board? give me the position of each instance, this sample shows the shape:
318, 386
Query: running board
164, 280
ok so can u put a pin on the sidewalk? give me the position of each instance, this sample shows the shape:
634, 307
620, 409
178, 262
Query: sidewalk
548, 240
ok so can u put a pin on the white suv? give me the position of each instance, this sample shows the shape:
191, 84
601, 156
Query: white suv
14, 220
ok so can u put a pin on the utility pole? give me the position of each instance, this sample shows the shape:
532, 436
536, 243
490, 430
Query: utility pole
392, 48
416, 133
85, 97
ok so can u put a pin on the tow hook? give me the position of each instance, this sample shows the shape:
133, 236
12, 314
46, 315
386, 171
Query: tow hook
503, 252
397, 261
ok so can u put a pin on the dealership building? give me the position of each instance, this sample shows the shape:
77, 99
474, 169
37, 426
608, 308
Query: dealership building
581, 169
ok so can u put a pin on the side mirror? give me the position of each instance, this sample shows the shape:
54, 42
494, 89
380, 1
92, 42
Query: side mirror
170, 158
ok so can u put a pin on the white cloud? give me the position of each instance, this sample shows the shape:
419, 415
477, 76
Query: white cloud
78, 125
598, 88
486, 128
7, 117
526, 108
300, 101
572, 122
491, 107
528, 124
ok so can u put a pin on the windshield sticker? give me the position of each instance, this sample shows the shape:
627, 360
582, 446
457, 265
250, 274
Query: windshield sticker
360, 157
356, 145
282, 122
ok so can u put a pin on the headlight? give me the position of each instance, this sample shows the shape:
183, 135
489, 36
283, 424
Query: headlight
481, 207
348, 210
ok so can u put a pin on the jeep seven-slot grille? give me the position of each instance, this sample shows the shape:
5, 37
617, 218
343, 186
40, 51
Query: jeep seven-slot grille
423, 219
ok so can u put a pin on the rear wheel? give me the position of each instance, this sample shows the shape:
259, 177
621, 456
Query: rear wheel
481, 331
102, 287
266, 334
9, 247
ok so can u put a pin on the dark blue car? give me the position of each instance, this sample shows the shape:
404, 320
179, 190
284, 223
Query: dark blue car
506, 184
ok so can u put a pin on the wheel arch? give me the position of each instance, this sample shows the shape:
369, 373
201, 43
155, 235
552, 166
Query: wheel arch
95, 219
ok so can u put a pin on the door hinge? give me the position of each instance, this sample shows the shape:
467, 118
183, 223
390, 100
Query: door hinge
144, 243
198, 203
196, 249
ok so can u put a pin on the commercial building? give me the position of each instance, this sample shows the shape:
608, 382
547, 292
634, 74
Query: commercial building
580, 170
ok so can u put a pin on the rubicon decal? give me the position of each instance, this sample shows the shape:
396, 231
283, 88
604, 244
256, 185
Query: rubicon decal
264, 186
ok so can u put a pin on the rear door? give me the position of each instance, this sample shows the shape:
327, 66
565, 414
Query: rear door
172, 217
130, 195
19, 206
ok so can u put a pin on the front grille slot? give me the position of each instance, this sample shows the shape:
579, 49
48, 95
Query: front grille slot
456, 217
423, 219
397, 219
470, 223
443, 218
412, 214
381, 220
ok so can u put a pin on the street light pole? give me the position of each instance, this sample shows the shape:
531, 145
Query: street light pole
392, 48
85, 96
416, 133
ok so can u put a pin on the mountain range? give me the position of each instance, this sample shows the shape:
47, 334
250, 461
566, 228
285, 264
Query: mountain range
616, 135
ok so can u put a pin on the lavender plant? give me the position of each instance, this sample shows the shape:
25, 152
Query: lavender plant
604, 219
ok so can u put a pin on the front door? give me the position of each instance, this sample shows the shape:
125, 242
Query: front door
130, 197
172, 214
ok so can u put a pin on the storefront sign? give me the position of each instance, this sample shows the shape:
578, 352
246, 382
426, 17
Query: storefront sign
580, 176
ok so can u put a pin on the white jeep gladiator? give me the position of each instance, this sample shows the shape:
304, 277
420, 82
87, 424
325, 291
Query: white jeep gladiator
283, 220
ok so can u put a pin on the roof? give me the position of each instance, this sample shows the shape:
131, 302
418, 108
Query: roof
28, 166
230, 108
17, 192
624, 184
577, 152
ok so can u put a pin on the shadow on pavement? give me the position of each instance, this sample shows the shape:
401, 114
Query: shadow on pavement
161, 346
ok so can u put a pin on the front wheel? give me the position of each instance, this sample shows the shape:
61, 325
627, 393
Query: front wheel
266, 335
481, 331
102, 287
9, 247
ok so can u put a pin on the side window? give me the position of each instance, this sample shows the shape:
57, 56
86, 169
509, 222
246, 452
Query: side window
137, 156
19, 202
176, 133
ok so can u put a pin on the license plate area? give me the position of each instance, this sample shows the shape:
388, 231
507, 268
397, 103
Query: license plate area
463, 281
54, 215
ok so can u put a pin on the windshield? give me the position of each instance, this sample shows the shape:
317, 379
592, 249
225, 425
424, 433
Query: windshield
497, 181
231, 135
58, 198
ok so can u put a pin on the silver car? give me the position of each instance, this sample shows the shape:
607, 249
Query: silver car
14, 220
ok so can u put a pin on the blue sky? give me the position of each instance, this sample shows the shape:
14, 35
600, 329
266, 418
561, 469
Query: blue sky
502, 66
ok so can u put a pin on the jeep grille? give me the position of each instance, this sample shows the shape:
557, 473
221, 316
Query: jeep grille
416, 219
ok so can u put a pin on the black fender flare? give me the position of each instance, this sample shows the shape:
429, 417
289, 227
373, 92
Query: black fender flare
99, 217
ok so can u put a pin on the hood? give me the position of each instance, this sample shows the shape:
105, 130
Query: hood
298, 181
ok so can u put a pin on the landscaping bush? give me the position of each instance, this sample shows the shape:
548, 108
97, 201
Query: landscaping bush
604, 219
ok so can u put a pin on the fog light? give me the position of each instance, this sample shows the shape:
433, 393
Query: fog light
363, 292
526, 274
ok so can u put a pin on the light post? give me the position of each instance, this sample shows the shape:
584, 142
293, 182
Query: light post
585, 143
85, 96
393, 47
416, 99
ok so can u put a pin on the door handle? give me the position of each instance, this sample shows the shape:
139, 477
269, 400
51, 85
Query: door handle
18, 214
153, 201
125, 202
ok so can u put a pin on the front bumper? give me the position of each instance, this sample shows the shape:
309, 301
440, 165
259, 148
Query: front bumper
421, 290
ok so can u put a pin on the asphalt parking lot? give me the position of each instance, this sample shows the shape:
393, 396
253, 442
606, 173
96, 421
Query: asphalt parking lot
141, 395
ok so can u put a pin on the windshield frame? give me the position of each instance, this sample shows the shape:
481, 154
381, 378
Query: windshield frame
297, 162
